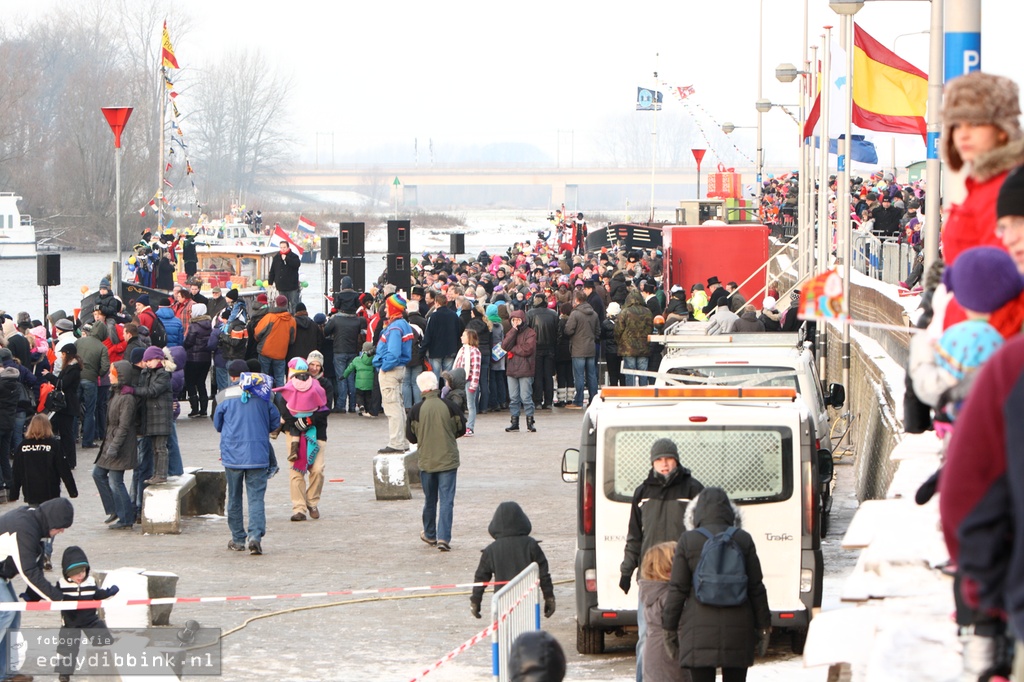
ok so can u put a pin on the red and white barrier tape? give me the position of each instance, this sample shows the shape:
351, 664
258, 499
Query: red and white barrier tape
115, 602
478, 637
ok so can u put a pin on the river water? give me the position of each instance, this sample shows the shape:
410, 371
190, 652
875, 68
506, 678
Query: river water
493, 231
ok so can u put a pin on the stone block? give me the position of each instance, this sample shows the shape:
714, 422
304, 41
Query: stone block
137, 583
390, 477
161, 504
412, 468
209, 494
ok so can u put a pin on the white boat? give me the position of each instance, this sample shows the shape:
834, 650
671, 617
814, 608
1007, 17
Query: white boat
17, 234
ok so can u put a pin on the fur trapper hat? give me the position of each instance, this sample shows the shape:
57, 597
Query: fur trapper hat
978, 98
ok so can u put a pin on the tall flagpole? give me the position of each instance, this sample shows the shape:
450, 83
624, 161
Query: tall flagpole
654, 135
160, 169
824, 226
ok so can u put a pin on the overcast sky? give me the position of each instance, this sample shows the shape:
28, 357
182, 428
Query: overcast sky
458, 71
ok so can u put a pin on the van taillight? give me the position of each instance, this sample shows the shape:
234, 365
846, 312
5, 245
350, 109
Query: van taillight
590, 579
588, 508
817, 444
698, 419
810, 497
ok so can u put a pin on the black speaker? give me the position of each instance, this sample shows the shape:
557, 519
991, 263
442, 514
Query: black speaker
458, 244
48, 269
354, 267
398, 271
328, 248
353, 240
398, 236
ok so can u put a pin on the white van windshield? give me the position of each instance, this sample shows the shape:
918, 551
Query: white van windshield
753, 464
737, 374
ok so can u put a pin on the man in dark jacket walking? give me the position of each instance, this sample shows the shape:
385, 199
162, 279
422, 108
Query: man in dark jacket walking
284, 274
544, 321
583, 329
521, 344
656, 515
22, 532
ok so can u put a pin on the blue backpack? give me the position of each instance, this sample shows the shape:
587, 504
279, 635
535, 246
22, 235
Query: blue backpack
721, 575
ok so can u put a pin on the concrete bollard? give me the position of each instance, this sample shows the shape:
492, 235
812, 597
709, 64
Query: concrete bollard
137, 583
209, 496
161, 504
390, 478
412, 468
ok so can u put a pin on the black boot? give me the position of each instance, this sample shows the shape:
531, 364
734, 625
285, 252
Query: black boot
529, 425
514, 426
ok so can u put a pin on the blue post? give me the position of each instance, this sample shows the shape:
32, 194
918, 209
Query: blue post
495, 665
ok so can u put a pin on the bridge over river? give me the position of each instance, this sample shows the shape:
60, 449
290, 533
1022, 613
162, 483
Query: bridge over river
440, 187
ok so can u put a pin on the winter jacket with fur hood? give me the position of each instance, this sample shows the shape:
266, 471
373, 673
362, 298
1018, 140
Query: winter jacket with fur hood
583, 328
632, 327
714, 636
119, 450
512, 550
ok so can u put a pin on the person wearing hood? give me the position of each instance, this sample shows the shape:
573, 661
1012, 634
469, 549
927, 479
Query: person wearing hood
512, 551
536, 656
652, 585
520, 370
632, 328
22, 532
714, 636
275, 332
119, 451
583, 328
307, 333
95, 361
656, 515
197, 360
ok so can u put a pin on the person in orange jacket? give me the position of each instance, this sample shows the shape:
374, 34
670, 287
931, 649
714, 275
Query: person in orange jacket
274, 333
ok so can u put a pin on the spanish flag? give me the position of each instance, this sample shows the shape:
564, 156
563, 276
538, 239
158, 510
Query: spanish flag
168, 50
890, 95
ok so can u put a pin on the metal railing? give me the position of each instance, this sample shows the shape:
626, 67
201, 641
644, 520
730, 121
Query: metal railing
516, 609
882, 259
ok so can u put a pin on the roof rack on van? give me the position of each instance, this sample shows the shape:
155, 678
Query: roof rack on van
697, 393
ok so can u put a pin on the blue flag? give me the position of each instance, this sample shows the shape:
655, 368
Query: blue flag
861, 150
647, 99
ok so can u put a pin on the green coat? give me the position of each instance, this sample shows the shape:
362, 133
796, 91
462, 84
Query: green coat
362, 365
632, 326
433, 425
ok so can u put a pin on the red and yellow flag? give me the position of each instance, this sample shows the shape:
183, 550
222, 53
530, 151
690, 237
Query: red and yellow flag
168, 50
890, 94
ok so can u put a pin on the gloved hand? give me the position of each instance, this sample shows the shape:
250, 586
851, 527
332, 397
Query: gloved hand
549, 607
672, 645
112, 590
474, 608
127, 390
624, 582
763, 637
302, 423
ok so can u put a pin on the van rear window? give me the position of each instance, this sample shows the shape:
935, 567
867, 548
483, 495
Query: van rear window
752, 464
736, 375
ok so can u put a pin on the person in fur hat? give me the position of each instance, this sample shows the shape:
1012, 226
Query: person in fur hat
981, 132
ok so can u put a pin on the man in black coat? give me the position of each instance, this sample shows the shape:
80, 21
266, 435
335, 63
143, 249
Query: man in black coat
284, 274
887, 218
544, 321
716, 292
656, 515
441, 338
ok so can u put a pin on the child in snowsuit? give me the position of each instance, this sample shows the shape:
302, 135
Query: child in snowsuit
512, 550
455, 387
303, 396
362, 365
78, 585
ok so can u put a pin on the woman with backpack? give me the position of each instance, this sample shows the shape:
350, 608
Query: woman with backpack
721, 628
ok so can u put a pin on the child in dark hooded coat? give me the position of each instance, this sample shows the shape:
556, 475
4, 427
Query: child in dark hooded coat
512, 550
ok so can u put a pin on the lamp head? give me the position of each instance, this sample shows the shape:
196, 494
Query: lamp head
846, 7
763, 105
728, 127
786, 73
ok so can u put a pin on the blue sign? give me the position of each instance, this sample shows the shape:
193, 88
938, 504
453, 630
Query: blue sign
933, 145
841, 165
963, 54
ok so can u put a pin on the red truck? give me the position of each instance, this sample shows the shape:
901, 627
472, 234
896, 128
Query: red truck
694, 253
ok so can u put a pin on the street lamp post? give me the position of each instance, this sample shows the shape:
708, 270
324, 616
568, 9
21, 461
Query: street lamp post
787, 73
117, 117
846, 9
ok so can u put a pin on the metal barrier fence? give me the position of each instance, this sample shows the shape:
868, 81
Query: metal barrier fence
516, 609
882, 259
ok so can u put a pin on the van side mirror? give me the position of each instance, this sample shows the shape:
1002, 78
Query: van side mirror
826, 466
570, 465
836, 395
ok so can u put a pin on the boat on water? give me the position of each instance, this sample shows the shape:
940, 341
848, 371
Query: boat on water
17, 233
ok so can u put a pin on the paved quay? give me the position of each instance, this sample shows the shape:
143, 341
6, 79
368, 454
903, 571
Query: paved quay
358, 543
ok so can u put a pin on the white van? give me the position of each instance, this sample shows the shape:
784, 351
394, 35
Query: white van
757, 443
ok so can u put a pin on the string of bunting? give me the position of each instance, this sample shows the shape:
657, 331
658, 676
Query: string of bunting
177, 136
683, 95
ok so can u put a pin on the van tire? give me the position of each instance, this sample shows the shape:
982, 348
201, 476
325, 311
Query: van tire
589, 640
798, 638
